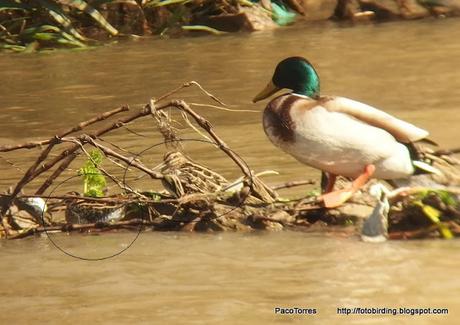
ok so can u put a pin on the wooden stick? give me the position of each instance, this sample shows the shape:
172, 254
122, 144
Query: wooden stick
56, 173
76, 227
78, 127
35, 171
418, 233
97, 199
446, 152
294, 4
28, 175
70, 153
65, 153
293, 184
186, 85
129, 162
206, 125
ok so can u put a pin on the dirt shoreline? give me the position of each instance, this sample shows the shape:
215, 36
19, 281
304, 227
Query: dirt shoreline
28, 27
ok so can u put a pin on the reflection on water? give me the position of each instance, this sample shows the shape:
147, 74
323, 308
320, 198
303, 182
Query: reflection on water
409, 69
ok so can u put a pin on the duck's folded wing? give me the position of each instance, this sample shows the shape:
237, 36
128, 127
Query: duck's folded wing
401, 130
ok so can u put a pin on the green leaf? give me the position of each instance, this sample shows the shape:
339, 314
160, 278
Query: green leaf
50, 33
40, 29
96, 15
16, 48
94, 181
159, 3
446, 197
64, 33
14, 5
434, 214
203, 29
72, 40
56, 12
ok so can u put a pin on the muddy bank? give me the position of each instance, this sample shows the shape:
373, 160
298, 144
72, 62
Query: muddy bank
233, 16
32, 25
188, 196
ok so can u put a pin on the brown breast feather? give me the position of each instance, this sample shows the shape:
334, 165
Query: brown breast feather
277, 115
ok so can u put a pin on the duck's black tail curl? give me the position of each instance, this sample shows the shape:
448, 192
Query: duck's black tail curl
421, 166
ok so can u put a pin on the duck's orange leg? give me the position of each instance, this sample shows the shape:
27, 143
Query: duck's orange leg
337, 198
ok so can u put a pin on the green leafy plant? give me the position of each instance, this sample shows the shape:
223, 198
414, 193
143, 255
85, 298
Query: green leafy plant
46, 23
94, 181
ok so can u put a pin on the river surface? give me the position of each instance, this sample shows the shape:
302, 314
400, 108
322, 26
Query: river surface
409, 69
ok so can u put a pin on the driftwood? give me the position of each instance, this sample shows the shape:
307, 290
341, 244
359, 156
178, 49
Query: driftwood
243, 205
65, 156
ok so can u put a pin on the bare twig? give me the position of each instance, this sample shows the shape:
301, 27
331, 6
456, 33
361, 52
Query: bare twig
446, 152
180, 104
293, 184
12, 164
130, 162
134, 132
35, 171
78, 227
207, 93
193, 127
186, 85
226, 109
68, 151
67, 155
114, 200
116, 146
172, 92
56, 174
28, 175
79, 127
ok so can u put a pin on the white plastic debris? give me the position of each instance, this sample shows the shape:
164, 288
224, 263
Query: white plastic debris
37, 203
375, 228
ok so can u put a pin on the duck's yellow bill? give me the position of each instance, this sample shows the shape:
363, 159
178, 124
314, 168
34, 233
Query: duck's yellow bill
269, 90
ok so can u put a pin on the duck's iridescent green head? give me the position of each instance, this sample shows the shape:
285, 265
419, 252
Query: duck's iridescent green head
294, 73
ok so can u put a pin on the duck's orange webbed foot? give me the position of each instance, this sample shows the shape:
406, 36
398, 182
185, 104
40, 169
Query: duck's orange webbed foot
339, 197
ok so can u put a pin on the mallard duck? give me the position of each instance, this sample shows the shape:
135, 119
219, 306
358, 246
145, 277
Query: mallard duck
337, 135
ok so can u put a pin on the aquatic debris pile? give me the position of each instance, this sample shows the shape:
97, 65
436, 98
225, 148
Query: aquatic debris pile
423, 213
190, 190
190, 196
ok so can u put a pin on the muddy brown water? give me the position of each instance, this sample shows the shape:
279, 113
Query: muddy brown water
410, 69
